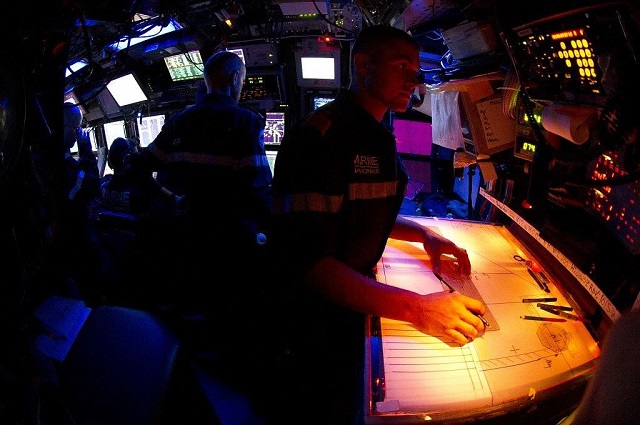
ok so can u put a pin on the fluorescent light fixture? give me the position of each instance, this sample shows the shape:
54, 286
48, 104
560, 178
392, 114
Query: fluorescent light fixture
126, 90
152, 32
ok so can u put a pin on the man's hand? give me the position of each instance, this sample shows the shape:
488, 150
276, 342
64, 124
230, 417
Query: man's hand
449, 314
436, 245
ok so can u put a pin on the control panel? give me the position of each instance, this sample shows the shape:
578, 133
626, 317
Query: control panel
617, 205
575, 57
347, 19
526, 142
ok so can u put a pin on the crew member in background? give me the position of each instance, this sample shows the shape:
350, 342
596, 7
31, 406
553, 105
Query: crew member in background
78, 254
213, 154
121, 192
338, 187
133, 214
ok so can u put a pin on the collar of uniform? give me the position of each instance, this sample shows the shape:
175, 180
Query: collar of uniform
348, 106
218, 98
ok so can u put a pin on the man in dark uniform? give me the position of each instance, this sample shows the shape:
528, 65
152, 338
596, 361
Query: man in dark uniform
212, 154
338, 187
76, 250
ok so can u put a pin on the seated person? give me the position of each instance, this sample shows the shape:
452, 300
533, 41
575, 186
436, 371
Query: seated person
134, 212
124, 193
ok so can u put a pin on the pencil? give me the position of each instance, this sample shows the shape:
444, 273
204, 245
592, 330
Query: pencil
555, 307
543, 319
539, 278
484, 321
452, 289
539, 300
557, 312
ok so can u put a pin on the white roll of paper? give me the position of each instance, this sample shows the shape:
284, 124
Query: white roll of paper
573, 123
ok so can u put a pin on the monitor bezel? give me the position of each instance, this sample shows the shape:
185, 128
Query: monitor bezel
319, 83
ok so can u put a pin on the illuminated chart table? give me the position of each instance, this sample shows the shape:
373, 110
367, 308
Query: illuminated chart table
413, 376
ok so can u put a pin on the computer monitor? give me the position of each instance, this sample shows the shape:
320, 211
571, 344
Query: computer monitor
238, 51
319, 101
274, 128
258, 87
71, 97
319, 69
271, 158
185, 66
149, 127
413, 137
126, 90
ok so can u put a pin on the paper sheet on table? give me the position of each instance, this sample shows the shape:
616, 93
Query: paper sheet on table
423, 372
426, 375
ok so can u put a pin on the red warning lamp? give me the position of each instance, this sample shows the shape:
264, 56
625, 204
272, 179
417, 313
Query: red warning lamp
326, 39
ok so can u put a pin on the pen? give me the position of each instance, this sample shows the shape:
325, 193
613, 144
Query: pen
556, 307
538, 277
543, 300
543, 319
484, 321
452, 289
560, 313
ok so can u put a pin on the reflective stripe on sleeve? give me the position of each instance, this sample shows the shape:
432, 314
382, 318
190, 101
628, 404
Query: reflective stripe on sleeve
317, 202
363, 191
311, 202
208, 159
